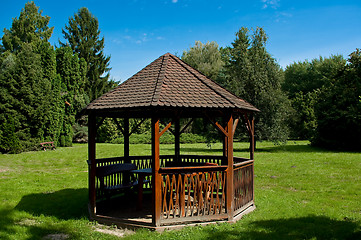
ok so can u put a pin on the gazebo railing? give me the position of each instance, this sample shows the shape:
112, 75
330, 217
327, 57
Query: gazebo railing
243, 184
192, 194
192, 191
146, 162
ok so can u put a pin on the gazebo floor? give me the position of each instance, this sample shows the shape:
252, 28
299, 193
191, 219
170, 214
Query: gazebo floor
123, 209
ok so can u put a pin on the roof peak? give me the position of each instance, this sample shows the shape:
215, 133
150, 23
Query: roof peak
169, 82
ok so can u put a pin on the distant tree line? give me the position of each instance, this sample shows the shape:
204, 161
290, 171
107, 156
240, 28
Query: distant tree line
42, 87
318, 100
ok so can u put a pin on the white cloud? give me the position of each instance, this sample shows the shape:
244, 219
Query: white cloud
174, 1
271, 3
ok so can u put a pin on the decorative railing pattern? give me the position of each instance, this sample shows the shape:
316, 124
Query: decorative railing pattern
192, 193
243, 184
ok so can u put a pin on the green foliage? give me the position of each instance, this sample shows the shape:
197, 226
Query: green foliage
9, 141
253, 75
308, 76
167, 138
83, 36
338, 110
41, 89
30, 27
303, 122
72, 73
206, 58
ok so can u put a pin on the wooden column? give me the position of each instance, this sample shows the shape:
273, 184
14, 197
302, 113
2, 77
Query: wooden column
252, 138
177, 139
156, 181
225, 147
92, 158
126, 140
230, 187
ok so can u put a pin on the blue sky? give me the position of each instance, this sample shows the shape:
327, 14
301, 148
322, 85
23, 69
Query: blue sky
138, 31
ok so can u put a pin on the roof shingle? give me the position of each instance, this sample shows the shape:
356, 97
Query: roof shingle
168, 81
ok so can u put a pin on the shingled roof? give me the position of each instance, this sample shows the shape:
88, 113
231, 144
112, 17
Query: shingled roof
169, 82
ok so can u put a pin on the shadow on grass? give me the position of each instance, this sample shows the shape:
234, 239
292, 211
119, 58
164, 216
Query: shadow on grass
311, 227
64, 204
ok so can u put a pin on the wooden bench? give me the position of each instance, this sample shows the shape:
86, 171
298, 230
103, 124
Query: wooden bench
116, 177
45, 145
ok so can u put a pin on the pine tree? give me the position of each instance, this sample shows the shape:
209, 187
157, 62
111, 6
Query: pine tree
27, 72
83, 36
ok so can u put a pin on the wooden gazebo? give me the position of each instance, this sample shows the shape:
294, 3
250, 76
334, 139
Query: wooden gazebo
184, 189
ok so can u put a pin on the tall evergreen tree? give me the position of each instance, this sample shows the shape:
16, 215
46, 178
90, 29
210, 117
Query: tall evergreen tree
83, 36
30, 27
27, 71
254, 75
72, 74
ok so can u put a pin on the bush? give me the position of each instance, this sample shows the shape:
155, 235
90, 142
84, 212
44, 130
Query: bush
167, 138
9, 141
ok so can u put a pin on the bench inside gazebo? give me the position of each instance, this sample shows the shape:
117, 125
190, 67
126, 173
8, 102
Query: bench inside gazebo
160, 191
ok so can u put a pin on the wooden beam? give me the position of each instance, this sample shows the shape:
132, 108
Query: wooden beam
177, 139
217, 125
126, 139
92, 130
162, 122
165, 129
230, 186
186, 126
137, 126
156, 177
118, 125
248, 124
100, 123
252, 140
235, 126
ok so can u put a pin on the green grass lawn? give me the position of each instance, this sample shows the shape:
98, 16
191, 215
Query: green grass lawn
301, 192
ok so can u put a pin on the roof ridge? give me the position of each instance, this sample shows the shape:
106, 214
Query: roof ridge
160, 79
188, 67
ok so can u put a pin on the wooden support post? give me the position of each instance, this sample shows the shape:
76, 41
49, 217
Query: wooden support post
225, 147
92, 159
177, 139
126, 139
230, 187
156, 181
252, 141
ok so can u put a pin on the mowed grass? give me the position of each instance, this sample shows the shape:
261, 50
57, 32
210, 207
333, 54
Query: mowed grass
301, 192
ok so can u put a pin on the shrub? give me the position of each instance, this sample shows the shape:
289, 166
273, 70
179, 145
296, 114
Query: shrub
167, 138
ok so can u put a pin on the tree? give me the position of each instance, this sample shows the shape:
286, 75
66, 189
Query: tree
338, 110
71, 86
206, 58
30, 27
26, 76
308, 76
303, 81
252, 74
83, 36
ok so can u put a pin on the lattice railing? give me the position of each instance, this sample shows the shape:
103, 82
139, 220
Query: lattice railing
243, 184
192, 193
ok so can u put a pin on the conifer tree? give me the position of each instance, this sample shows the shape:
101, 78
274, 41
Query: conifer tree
26, 75
83, 36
